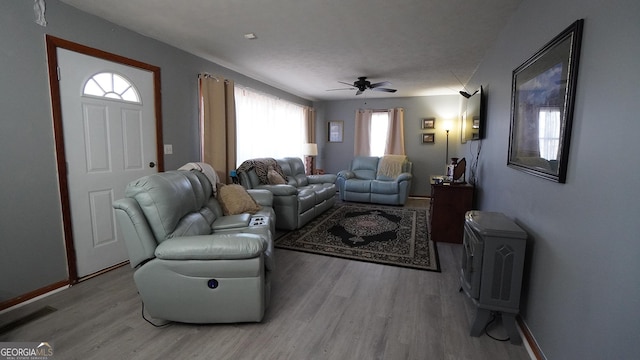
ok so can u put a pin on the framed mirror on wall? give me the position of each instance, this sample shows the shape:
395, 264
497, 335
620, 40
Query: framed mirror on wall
473, 116
542, 100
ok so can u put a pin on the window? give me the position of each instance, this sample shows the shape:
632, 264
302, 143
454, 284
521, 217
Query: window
549, 132
267, 126
379, 130
112, 86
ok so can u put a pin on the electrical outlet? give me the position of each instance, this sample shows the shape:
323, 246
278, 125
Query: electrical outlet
168, 149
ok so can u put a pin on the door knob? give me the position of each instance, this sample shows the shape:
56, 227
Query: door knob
152, 164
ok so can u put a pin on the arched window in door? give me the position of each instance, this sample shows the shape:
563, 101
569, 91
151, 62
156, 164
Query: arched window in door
112, 86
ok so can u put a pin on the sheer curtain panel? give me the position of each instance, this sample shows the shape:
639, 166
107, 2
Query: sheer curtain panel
268, 126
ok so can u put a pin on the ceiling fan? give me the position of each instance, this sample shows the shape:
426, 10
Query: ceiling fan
363, 84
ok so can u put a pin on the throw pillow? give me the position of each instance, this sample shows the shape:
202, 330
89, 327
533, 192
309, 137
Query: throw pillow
234, 200
275, 178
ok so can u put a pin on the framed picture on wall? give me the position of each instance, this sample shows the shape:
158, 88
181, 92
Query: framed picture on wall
429, 123
336, 130
428, 138
542, 98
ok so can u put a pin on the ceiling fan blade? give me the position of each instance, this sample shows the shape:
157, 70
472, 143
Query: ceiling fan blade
351, 88
342, 82
385, 90
376, 85
359, 92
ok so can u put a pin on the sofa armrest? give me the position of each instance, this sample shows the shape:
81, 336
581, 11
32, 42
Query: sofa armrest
212, 247
346, 174
322, 179
404, 177
263, 197
138, 237
231, 222
280, 190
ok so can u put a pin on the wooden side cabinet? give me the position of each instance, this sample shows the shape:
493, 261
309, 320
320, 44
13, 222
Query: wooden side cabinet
449, 203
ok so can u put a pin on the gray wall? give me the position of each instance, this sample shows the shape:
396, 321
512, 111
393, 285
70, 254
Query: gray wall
582, 295
32, 253
428, 159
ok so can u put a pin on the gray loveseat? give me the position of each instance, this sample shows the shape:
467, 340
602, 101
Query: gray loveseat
377, 180
300, 197
193, 263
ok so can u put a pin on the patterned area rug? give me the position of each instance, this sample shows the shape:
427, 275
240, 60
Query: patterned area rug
374, 233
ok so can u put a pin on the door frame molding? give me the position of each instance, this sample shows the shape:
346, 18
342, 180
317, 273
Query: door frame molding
53, 43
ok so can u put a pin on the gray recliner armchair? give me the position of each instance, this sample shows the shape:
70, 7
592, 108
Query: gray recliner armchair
194, 264
371, 179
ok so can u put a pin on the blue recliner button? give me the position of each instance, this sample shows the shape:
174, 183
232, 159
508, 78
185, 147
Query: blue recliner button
212, 284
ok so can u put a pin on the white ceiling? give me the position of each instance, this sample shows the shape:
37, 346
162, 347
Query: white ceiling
306, 47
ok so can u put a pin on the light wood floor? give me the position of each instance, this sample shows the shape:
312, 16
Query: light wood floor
321, 308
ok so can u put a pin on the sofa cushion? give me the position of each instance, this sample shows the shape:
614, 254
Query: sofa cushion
285, 166
213, 247
171, 202
293, 168
365, 167
275, 178
195, 223
361, 186
306, 200
234, 200
301, 180
384, 187
322, 191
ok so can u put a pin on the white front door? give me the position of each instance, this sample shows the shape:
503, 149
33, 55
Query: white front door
108, 142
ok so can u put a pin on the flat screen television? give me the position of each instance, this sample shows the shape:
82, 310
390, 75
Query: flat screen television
474, 116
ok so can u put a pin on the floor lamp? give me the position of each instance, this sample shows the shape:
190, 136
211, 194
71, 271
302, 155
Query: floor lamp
446, 155
310, 151
449, 170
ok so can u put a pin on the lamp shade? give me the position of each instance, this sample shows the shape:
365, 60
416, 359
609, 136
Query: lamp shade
448, 125
310, 149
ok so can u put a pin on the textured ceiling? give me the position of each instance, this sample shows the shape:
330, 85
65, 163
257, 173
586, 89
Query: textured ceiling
306, 47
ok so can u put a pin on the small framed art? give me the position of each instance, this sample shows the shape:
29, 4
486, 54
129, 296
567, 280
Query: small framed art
335, 131
428, 138
429, 123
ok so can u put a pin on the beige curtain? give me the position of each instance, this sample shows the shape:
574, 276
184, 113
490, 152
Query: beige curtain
218, 124
362, 139
395, 135
310, 125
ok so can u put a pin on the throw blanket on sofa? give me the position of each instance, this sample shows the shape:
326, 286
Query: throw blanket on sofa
207, 170
391, 165
261, 167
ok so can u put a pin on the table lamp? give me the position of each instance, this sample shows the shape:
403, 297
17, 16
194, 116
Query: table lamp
309, 150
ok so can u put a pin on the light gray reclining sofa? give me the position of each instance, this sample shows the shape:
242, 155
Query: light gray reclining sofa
372, 180
194, 264
300, 197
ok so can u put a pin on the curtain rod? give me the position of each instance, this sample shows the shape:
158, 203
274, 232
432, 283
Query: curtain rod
210, 76
381, 110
